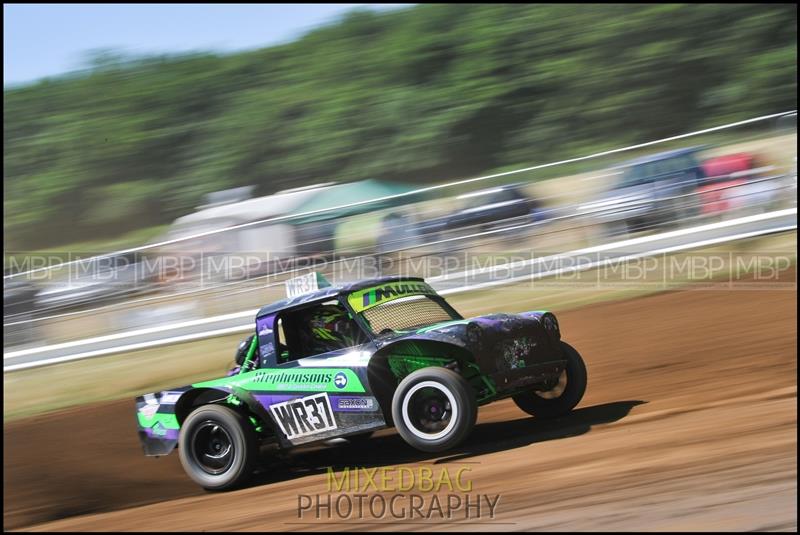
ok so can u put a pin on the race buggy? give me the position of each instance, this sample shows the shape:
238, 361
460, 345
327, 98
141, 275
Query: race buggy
344, 361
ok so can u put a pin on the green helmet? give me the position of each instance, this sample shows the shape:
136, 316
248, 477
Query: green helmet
331, 328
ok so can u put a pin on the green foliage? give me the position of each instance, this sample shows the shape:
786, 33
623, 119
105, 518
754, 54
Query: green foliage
425, 94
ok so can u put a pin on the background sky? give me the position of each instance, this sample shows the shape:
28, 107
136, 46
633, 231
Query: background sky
45, 40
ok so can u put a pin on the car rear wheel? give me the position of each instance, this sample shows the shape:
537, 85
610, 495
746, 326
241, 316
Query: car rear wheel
434, 409
562, 397
217, 447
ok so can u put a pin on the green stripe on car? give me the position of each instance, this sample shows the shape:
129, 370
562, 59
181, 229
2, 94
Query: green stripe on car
302, 379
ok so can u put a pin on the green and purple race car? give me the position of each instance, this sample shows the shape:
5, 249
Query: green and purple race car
345, 361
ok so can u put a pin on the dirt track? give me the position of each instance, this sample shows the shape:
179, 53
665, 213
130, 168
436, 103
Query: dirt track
689, 423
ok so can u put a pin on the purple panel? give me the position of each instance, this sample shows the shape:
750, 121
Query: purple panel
167, 434
270, 399
266, 339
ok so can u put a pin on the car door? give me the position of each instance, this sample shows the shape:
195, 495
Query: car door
325, 394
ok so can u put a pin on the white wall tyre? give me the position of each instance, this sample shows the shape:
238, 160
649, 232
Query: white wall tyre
217, 447
434, 409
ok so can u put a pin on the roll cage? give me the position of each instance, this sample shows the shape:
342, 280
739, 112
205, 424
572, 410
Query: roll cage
267, 326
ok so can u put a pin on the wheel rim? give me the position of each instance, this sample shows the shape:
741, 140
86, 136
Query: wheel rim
430, 410
557, 390
212, 447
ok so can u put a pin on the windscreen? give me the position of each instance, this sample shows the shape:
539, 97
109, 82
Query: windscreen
633, 176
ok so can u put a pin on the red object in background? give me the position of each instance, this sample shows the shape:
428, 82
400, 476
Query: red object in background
718, 194
725, 165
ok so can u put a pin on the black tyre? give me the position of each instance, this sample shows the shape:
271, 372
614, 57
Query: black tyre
434, 409
217, 447
564, 396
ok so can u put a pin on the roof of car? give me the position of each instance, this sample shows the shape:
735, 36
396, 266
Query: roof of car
663, 155
329, 292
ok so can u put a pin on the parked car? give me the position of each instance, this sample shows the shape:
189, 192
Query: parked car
482, 210
19, 301
19, 297
397, 232
653, 190
97, 280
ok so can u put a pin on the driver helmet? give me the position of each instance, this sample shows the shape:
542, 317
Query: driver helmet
331, 328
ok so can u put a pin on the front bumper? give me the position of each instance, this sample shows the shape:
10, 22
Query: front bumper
517, 351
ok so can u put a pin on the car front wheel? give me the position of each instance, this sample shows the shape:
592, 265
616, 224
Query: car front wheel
434, 409
561, 397
217, 447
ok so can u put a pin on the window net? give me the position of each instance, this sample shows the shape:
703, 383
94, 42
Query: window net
405, 314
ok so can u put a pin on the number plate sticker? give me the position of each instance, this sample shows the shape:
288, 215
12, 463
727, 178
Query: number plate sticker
304, 416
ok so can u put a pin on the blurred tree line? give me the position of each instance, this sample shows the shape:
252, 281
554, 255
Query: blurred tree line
423, 95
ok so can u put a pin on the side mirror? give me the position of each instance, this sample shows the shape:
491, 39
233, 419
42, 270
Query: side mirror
241, 351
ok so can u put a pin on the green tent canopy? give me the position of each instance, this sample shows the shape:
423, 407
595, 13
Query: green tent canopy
346, 194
